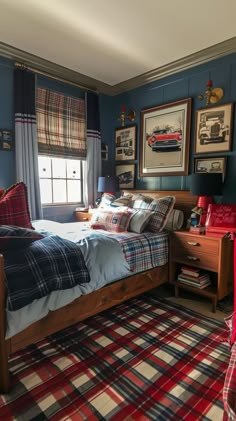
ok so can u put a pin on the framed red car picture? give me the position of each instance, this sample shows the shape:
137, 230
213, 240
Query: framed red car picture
164, 139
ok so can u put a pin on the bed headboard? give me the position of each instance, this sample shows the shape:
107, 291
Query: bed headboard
185, 201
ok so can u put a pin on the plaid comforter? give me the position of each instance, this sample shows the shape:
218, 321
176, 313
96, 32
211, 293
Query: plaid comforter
144, 251
49, 264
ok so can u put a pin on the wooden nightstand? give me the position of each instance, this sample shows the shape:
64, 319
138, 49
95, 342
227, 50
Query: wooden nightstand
213, 254
80, 216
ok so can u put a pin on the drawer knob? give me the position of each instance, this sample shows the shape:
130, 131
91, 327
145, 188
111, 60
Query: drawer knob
192, 243
192, 258
85, 218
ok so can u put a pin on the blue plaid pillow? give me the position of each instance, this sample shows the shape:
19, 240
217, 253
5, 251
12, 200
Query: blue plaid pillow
13, 237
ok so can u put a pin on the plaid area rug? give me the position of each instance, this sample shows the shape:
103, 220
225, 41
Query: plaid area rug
143, 360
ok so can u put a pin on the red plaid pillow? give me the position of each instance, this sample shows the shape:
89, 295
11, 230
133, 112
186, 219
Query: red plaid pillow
14, 208
109, 220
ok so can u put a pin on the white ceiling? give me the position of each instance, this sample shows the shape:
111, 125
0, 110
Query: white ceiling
115, 40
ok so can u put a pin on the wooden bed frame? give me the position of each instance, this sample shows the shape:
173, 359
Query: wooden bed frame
86, 305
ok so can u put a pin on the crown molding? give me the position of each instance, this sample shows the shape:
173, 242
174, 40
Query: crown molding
203, 56
52, 69
85, 82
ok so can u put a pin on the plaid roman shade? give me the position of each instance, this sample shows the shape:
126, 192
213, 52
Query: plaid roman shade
60, 125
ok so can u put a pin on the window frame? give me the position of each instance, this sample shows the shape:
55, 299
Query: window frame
80, 181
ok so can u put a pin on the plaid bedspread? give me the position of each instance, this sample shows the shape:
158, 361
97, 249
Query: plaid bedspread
144, 251
50, 264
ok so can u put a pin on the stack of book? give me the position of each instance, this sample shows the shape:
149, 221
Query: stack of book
194, 277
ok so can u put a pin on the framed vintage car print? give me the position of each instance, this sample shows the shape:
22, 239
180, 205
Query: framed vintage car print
164, 139
125, 143
211, 165
126, 175
213, 130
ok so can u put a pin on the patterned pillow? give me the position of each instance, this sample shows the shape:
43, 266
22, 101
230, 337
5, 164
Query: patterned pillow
13, 237
122, 200
114, 220
161, 209
141, 201
14, 208
106, 200
139, 220
175, 220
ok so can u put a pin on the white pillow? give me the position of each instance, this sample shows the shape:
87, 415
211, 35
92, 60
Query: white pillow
175, 220
139, 220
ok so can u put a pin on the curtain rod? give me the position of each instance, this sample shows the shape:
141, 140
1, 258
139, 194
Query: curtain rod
49, 75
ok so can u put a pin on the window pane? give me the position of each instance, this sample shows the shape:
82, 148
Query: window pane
46, 191
73, 168
74, 191
59, 191
58, 168
44, 167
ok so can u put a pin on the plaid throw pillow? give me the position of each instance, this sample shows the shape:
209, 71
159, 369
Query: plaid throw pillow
12, 237
161, 209
111, 220
14, 208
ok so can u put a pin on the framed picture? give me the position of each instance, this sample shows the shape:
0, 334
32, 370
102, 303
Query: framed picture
210, 165
126, 175
6, 140
125, 143
213, 130
164, 139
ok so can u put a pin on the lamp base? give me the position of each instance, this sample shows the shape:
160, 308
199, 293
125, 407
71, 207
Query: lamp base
203, 202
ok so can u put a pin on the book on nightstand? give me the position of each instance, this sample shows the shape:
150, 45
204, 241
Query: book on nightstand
194, 277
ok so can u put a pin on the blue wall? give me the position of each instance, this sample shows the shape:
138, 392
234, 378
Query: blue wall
189, 83
185, 84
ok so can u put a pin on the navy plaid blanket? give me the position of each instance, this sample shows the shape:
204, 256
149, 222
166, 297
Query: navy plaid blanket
47, 265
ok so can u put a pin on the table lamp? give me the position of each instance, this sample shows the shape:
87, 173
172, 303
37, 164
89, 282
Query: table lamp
205, 186
108, 184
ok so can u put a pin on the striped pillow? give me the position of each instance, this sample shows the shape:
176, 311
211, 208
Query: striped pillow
115, 220
141, 201
161, 209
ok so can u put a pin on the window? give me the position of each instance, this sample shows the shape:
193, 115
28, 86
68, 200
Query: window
61, 180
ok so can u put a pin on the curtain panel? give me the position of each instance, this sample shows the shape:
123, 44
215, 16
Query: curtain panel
26, 148
94, 161
61, 125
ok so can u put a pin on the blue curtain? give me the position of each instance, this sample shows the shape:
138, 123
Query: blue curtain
26, 148
93, 164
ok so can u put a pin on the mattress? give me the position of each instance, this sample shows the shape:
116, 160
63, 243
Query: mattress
108, 257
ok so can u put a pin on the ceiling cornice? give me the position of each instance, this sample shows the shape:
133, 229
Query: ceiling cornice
211, 53
53, 69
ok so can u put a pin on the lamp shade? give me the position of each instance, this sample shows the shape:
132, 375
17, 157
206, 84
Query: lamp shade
206, 184
109, 183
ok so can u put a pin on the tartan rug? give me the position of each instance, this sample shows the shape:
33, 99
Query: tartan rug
146, 359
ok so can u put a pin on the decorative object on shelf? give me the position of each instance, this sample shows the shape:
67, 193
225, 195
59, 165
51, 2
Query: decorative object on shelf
104, 151
205, 186
213, 131
6, 140
211, 165
212, 95
130, 116
125, 143
165, 138
126, 176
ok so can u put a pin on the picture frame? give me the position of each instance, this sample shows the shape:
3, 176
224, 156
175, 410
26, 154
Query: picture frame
211, 165
104, 151
213, 129
125, 143
126, 175
165, 139
6, 140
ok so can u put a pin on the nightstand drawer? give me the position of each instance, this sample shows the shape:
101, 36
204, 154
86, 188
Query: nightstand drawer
197, 259
194, 243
